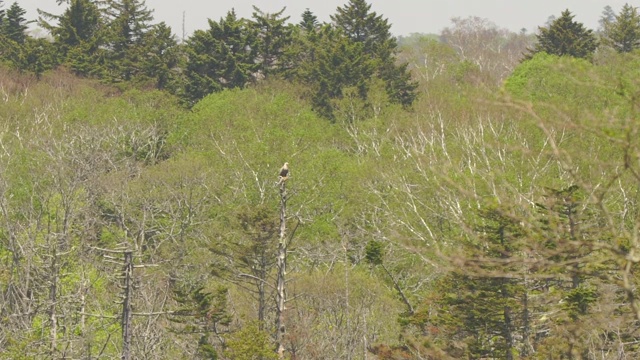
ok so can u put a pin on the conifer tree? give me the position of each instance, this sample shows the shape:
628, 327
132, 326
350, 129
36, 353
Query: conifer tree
623, 31
2, 13
379, 47
221, 57
14, 24
79, 24
127, 23
162, 55
485, 310
338, 63
309, 21
273, 37
566, 37
361, 25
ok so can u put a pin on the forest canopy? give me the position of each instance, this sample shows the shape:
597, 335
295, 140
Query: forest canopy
469, 194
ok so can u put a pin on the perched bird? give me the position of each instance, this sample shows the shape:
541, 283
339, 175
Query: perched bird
284, 170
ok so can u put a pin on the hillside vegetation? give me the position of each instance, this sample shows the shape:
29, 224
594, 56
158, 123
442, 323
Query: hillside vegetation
464, 212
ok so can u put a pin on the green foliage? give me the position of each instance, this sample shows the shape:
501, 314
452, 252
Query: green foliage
566, 37
127, 23
309, 21
374, 252
622, 31
250, 343
79, 24
504, 222
222, 57
14, 24
579, 299
553, 80
273, 37
361, 26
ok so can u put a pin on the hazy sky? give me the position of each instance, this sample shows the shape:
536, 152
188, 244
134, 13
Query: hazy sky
406, 16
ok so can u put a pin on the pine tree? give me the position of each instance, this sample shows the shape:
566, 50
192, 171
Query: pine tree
362, 26
14, 25
273, 37
485, 310
565, 37
162, 55
338, 64
2, 14
309, 21
623, 32
79, 24
608, 15
127, 23
222, 57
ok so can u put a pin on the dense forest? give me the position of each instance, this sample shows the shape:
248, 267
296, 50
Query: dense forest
473, 194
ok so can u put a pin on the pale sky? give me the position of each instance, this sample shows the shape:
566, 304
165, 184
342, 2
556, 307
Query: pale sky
406, 16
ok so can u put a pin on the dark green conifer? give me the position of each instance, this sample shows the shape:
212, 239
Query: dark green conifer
309, 21
127, 23
565, 37
79, 24
219, 58
361, 25
273, 37
14, 24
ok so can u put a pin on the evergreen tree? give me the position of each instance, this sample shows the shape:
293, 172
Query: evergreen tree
222, 57
127, 23
79, 24
162, 55
309, 21
273, 38
565, 37
608, 15
623, 32
37, 56
486, 311
2, 14
338, 64
364, 27
14, 25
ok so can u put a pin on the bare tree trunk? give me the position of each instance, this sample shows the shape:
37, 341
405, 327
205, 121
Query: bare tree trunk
282, 271
53, 292
126, 305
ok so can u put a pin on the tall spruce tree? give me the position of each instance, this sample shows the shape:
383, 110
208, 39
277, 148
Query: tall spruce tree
309, 21
77, 35
273, 37
14, 24
79, 24
362, 26
127, 23
486, 310
2, 13
221, 57
334, 64
565, 37
623, 31
162, 56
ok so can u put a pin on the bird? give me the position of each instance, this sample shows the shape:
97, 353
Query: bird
284, 172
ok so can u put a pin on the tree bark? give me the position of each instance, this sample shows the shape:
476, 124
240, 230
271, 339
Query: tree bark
126, 305
281, 263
